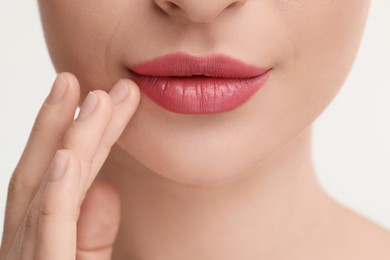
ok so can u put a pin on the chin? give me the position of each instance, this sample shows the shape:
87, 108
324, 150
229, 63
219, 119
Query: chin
195, 168
208, 155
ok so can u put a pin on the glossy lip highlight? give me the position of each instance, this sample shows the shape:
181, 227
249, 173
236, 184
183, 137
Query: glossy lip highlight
187, 84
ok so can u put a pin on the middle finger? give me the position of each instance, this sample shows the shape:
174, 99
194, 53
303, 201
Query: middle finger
85, 134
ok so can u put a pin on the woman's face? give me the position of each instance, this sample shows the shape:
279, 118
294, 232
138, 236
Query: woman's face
309, 44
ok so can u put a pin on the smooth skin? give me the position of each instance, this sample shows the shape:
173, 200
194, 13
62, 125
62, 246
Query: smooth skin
43, 219
165, 186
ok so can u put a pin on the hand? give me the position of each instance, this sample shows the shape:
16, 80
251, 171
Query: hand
49, 213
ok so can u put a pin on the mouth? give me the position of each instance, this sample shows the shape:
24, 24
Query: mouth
186, 84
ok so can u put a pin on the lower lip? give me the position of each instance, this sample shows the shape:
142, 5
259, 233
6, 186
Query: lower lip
199, 94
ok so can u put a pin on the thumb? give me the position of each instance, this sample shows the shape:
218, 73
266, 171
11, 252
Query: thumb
98, 222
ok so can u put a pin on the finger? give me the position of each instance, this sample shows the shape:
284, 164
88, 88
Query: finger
52, 233
123, 112
84, 136
27, 229
50, 125
98, 223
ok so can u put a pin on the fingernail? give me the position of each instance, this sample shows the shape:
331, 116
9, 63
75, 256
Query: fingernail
119, 92
88, 106
58, 90
59, 166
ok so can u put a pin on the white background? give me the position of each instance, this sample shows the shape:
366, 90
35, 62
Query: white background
351, 145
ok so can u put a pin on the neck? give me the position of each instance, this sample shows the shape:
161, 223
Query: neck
272, 209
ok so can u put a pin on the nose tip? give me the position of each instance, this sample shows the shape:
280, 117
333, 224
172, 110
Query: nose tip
197, 11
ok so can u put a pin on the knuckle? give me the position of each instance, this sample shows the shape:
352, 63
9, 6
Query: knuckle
68, 141
18, 181
31, 219
68, 146
83, 162
68, 152
45, 211
42, 119
74, 160
39, 126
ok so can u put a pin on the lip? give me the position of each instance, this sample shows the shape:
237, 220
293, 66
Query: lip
188, 84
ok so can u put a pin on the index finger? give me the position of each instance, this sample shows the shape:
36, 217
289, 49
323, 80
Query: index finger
54, 117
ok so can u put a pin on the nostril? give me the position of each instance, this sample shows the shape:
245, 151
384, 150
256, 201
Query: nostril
172, 6
168, 7
235, 4
231, 5
197, 12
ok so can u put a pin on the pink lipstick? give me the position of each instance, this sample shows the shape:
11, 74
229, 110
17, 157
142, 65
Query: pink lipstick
187, 84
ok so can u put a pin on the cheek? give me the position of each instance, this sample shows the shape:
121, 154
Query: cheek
326, 37
77, 34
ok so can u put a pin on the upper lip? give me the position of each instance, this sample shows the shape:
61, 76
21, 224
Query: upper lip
185, 65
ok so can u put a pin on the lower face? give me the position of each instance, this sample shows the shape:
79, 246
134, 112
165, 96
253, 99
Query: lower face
310, 46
